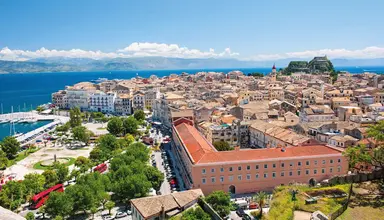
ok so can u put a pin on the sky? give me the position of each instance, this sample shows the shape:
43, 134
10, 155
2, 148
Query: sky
246, 29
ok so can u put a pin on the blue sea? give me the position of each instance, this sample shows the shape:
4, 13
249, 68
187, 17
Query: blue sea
32, 89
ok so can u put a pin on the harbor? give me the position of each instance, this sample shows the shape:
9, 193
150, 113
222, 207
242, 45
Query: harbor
39, 124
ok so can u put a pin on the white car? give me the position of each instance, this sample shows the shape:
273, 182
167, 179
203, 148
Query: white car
120, 214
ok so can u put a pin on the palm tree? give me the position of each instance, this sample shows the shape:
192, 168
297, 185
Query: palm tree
260, 198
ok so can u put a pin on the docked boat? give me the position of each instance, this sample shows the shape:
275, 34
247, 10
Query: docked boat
18, 134
3, 121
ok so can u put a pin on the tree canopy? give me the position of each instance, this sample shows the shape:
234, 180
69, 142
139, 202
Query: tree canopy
220, 201
81, 133
222, 146
139, 115
75, 117
130, 125
195, 213
115, 126
10, 146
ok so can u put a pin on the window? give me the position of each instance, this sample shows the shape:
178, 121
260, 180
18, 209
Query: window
239, 177
213, 179
257, 167
306, 172
299, 163
222, 169
315, 162
307, 163
314, 171
221, 179
331, 170
290, 173
212, 170
339, 160
274, 165
323, 170
323, 161
248, 176
265, 166
230, 178
339, 169
282, 164
331, 161
239, 168
257, 176
291, 164
282, 174
230, 169
203, 171
203, 180
273, 174
265, 175
298, 172
248, 167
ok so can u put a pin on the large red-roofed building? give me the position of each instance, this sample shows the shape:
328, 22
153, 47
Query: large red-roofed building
250, 170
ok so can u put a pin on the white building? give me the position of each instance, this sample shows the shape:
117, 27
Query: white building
102, 102
78, 98
138, 101
123, 104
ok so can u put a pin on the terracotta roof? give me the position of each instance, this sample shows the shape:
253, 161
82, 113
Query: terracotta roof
267, 153
195, 144
150, 206
227, 119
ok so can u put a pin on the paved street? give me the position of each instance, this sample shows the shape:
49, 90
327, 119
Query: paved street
165, 187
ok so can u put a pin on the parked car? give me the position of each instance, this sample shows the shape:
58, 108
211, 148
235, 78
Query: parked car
120, 214
240, 212
107, 217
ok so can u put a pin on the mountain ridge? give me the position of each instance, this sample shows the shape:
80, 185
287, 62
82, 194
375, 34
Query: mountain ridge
62, 64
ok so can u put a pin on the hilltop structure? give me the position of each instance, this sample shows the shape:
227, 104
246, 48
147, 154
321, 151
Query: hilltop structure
315, 66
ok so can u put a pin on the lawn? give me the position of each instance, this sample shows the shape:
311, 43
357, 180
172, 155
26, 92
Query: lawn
282, 206
38, 165
22, 156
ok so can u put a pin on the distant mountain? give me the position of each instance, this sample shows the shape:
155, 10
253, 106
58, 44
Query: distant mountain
61, 64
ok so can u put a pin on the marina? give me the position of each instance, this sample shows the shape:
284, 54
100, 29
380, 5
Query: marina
27, 129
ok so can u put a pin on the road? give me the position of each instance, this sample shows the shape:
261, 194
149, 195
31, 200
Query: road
165, 188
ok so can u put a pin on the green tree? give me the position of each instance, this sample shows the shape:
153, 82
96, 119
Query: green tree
30, 216
59, 204
109, 205
62, 172
74, 174
81, 133
108, 142
155, 176
3, 159
260, 198
139, 115
129, 139
10, 146
51, 178
220, 201
83, 163
34, 183
93, 212
97, 155
133, 185
105, 198
115, 126
59, 217
63, 128
194, 214
130, 125
377, 132
75, 117
84, 198
12, 194
39, 109
222, 146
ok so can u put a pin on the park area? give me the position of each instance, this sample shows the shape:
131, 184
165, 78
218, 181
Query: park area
366, 201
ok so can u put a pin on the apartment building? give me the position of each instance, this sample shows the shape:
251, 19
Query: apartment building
317, 113
267, 135
102, 102
60, 99
138, 101
123, 104
250, 170
379, 98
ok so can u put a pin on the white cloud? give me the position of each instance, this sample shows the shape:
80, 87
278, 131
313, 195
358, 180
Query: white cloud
366, 53
173, 50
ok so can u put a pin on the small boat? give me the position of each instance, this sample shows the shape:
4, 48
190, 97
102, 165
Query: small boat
16, 120
3, 121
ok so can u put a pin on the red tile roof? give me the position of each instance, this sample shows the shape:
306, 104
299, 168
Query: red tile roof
201, 151
197, 146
